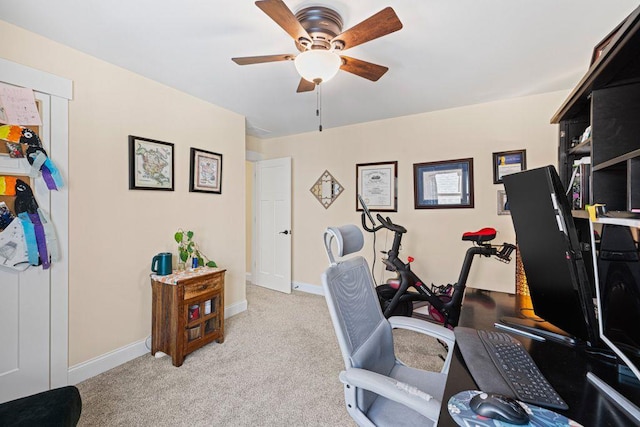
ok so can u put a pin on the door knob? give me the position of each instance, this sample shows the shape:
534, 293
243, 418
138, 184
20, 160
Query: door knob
285, 232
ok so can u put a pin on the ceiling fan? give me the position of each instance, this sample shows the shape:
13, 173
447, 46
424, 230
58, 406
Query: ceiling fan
317, 32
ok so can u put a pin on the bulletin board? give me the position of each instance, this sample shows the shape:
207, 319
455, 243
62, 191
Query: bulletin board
4, 150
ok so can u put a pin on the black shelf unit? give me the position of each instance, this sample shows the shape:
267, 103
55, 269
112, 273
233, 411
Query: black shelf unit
607, 99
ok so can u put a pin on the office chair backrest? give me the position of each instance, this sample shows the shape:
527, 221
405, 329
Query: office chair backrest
348, 239
364, 335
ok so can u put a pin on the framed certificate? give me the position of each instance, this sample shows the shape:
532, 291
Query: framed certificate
507, 162
503, 203
445, 184
377, 184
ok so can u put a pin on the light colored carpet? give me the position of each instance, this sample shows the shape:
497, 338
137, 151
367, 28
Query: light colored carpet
278, 366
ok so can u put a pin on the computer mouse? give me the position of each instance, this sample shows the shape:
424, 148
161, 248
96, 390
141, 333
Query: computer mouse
499, 407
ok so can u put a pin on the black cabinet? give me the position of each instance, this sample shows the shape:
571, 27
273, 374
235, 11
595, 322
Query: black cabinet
607, 101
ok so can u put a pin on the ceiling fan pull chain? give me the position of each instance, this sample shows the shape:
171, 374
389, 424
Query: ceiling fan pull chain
319, 105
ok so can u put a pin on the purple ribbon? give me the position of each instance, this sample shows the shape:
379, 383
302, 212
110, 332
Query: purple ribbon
40, 240
48, 179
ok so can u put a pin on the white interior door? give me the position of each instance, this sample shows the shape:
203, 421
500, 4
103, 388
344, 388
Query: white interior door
24, 327
273, 224
25, 299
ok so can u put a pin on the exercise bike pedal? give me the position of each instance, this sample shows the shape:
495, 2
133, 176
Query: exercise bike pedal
505, 253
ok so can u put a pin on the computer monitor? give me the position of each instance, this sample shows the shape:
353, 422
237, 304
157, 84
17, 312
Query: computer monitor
552, 257
616, 259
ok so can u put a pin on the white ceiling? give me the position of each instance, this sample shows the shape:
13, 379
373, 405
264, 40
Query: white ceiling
450, 52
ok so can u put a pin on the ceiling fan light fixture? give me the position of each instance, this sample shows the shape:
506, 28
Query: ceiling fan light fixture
317, 65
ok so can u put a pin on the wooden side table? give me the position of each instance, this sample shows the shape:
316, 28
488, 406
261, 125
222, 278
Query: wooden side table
187, 311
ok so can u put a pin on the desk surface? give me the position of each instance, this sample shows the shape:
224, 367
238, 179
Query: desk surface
564, 367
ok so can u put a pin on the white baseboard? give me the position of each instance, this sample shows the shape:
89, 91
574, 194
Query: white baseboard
97, 365
234, 309
306, 287
103, 363
249, 277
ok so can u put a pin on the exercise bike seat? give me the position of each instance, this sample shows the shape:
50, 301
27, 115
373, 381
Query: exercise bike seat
483, 235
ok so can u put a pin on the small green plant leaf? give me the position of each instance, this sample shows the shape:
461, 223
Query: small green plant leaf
187, 248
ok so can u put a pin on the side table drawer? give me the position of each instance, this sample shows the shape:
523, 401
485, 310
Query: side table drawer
196, 289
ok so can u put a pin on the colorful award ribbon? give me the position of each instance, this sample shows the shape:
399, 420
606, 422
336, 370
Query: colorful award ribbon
41, 240
26, 140
26, 207
50, 234
40, 163
30, 238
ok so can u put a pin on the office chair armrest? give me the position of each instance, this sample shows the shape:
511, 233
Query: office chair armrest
439, 332
423, 327
392, 389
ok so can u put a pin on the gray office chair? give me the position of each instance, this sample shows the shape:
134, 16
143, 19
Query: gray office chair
379, 389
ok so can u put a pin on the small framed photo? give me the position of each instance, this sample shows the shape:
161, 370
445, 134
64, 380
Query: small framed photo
377, 184
507, 162
150, 164
205, 172
503, 203
445, 184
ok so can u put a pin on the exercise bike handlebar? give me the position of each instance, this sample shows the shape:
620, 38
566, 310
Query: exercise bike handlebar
388, 224
384, 223
373, 227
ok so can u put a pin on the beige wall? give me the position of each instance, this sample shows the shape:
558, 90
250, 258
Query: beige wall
114, 232
434, 235
248, 197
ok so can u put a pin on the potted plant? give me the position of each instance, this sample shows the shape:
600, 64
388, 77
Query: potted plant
188, 249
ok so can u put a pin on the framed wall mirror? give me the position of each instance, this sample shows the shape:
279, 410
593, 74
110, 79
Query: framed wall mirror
326, 189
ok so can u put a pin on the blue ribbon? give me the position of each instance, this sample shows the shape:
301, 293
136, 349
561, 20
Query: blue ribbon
30, 238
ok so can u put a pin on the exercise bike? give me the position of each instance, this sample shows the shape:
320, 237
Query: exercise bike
444, 301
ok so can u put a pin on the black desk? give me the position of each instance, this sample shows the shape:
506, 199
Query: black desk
564, 367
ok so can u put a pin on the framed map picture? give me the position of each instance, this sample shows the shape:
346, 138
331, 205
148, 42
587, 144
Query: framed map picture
150, 164
205, 172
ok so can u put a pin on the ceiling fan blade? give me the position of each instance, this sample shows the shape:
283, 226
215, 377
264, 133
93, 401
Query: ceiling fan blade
382, 23
248, 60
305, 86
364, 69
282, 15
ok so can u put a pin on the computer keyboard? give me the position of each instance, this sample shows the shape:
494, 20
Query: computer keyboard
519, 370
